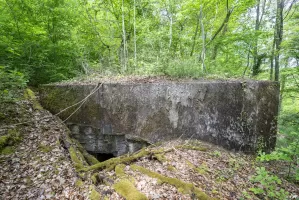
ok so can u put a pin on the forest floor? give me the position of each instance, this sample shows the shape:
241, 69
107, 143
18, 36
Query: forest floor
36, 164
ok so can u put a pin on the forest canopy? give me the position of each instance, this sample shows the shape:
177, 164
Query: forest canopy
53, 40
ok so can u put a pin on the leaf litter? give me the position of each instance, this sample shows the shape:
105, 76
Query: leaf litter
41, 168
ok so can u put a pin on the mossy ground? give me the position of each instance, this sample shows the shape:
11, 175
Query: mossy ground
7, 150
184, 187
9, 141
45, 148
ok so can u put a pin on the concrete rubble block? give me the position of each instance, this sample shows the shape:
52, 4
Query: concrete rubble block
238, 115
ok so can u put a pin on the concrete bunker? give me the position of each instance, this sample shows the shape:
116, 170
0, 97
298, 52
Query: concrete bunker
123, 116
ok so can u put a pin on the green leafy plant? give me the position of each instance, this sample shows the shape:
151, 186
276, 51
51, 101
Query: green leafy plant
267, 185
288, 154
12, 82
217, 153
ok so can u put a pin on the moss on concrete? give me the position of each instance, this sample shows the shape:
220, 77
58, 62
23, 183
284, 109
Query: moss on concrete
80, 157
94, 195
171, 168
183, 187
8, 141
120, 170
91, 160
160, 157
111, 163
79, 183
94, 178
78, 164
127, 190
29, 95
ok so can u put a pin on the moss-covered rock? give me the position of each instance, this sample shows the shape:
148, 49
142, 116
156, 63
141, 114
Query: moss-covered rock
29, 95
7, 150
111, 163
79, 183
126, 189
160, 157
8, 141
94, 178
120, 170
171, 168
91, 160
3, 141
94, 195
77, 162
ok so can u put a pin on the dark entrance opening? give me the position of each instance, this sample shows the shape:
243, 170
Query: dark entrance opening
102, 156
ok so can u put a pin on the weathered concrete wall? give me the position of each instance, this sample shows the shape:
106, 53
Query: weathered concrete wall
237, 115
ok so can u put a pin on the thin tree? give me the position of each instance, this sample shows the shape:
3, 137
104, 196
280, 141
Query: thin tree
195, 34
124, 63
203, 52
278, 36
256, 57
170, 24
135, 45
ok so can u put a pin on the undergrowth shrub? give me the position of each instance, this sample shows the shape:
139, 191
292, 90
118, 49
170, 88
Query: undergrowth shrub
267, 185
288, 154
12, 83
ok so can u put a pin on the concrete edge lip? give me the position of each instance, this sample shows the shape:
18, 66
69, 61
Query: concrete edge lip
160, 82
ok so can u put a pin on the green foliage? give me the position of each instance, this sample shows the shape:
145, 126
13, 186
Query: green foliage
12, 83
56, 40
288, 154
217, 153
287, 147
36, 38
268, 185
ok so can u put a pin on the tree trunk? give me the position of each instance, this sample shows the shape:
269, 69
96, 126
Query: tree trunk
135, 45
272, 57
255, 68
278, 38
170, 31
195, 36
124, 60
203, 53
